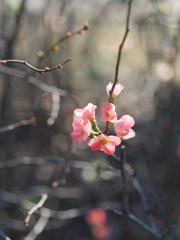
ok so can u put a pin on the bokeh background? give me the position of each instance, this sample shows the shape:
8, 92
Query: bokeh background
41, 158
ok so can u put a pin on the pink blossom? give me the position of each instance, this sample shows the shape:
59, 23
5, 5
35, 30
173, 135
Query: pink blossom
82, 129
123, 125
117, 90
87, 113
104, 143
131, 134
108, 113
101, 232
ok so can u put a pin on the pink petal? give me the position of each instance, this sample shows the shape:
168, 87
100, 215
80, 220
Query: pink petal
117, 90
131, 134
77, 124
109, 149
90, 142
78, 113
96, 146
75, 134
114, 140
128, 120
108, 112
121, 127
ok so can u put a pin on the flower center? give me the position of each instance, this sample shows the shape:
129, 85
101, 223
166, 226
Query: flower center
82, 132
108, 114
103, 141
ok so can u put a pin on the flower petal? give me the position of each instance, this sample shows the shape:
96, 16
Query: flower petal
109, 149
114, 140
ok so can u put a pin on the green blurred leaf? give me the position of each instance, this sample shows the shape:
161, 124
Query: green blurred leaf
13, 6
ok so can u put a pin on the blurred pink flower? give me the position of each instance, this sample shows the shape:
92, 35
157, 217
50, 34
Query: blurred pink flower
87, 113
117, 90
101, 232
123, 126
82, 129
104, 143
96, 216
108, 112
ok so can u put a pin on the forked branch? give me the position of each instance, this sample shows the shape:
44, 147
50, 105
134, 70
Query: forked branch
41, 71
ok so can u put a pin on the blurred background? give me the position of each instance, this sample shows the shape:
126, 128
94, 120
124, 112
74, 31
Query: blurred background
37, 156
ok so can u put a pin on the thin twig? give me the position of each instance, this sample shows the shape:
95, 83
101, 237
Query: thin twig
41, 71
40, 225
138, 222
119, 59
23, 122
137, 185
124, 185
35, 208
62, 39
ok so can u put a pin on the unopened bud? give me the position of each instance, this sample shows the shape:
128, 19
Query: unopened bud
86, 25
68, 34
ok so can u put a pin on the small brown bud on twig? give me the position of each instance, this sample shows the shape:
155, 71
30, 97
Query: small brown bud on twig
86, 25
68, 34
81, 32
56, 47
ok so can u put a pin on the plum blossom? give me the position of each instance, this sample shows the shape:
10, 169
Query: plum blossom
117, 90
104, 143
108, 112
87, 113
82, 129
123, 126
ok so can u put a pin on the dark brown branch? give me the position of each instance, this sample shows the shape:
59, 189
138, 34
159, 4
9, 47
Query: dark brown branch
23, 122
124, 185
119, 59
41, 71
35, 208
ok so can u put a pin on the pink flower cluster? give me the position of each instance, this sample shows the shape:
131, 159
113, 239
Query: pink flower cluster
85, 126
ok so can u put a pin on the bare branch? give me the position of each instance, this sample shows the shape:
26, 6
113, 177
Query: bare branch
23, 122
62, 39
137, 185
138, 222
118, 59
32, 80
124, 185
41, 71
40, 225
35, 208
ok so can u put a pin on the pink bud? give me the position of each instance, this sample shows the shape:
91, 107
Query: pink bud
123, 125
117, 90
108, 113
